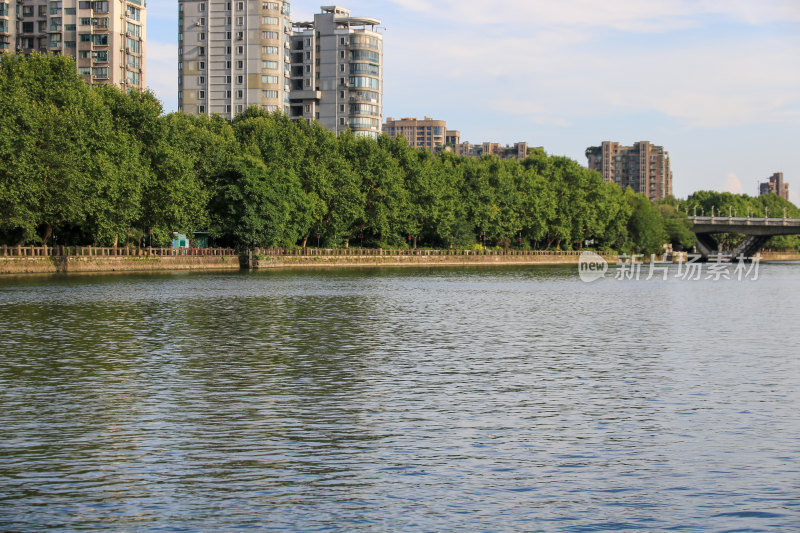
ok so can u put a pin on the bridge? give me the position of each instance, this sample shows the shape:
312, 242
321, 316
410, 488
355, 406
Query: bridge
757, 231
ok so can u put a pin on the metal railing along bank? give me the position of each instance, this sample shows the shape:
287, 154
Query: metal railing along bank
94, 251
311, 252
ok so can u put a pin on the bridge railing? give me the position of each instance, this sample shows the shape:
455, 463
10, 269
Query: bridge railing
745, 221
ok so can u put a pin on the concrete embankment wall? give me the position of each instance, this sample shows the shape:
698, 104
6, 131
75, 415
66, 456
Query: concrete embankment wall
780, 256
45, 261
323, 261
53, 265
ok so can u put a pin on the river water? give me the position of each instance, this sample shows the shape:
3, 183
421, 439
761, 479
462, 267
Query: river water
479, 399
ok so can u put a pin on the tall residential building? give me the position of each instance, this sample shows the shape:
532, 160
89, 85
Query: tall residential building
337, 72
427, 133
643, 167
775, 185
106, 38
232, 55
8, 26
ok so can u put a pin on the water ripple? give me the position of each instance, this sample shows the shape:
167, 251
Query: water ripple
498, 399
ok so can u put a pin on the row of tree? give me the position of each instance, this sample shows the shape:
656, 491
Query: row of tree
83, 165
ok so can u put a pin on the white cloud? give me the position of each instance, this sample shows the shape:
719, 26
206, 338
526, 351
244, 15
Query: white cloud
559, 75
733, 184
628, 15
162, 72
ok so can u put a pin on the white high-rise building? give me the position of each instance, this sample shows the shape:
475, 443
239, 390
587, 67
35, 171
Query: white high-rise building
232, 55
235, 54
337, 72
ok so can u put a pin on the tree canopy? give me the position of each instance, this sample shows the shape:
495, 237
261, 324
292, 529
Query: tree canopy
96, 165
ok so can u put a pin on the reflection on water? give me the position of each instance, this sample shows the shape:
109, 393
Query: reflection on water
496, 398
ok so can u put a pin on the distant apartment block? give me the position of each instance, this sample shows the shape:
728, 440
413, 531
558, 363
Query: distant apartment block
106, 38
337, 72
428, 133
775, 185
518, 151
643, 167
233, 54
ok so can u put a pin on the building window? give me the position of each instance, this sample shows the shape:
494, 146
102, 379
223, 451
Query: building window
269, 50
201, 94
269, 20
269, 94
270, 34
240, 94
271, 65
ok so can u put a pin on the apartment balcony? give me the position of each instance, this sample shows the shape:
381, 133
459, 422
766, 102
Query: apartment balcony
305, 94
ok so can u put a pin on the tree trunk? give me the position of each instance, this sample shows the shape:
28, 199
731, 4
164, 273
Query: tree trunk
305, 239
48, 232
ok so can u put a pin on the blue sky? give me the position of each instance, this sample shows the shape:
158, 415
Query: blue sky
716, 82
